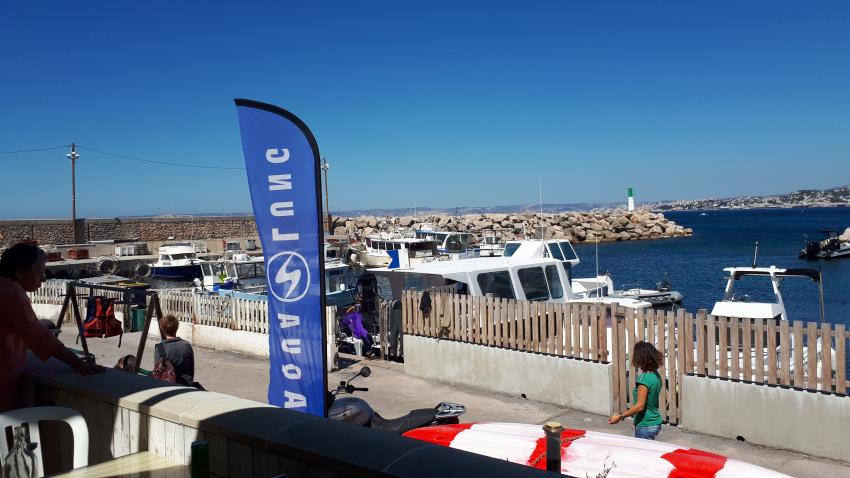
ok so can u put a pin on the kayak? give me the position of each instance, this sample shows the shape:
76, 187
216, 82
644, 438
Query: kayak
588, 453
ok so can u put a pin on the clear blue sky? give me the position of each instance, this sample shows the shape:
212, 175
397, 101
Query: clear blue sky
428, 103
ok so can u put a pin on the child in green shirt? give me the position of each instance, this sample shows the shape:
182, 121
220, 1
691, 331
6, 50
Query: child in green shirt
647, 419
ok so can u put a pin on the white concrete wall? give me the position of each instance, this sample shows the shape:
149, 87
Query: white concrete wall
566, 382
219, 338
811, 423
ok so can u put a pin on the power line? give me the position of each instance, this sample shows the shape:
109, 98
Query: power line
33, 150
162, 163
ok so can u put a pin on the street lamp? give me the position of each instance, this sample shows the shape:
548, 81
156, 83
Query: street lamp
325, 167
73, 156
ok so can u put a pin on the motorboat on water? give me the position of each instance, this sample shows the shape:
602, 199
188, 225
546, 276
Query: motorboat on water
588, 453
235, 270
401, 249
514, 277
450, 243
831, 247
663, 295
589, 287
490, 243
178, 261
743, 306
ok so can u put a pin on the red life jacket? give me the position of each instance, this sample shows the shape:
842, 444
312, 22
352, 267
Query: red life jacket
100, 319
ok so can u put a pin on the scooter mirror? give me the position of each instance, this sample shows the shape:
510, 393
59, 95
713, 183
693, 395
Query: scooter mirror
365, 371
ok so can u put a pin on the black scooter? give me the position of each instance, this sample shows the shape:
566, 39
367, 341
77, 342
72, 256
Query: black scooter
358, 412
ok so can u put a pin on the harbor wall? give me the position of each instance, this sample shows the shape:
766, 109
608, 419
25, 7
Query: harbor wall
807, 422
577, 384
143, 228
612, 225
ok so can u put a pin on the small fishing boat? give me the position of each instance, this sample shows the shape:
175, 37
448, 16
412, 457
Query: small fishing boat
450, 243
403, 248
177, 261
831, 247
589, 453
491, 243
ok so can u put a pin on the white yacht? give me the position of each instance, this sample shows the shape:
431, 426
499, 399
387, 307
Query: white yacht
177, 260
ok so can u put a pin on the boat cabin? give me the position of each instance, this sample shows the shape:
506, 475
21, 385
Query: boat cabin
455, 244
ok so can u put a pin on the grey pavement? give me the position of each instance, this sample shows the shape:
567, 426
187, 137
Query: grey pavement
392, 393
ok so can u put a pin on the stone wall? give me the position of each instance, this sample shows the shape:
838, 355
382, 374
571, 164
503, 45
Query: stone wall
145, 229
608, 225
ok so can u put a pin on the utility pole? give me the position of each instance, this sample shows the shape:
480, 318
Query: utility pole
329, 220
73, 156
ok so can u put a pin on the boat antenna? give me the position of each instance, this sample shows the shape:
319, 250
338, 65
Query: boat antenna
756, 255
598, 287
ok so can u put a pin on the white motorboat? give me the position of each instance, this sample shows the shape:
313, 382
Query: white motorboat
490, 243
742, 305
399, 249
236, 270
177, 260
450, 243
513, 277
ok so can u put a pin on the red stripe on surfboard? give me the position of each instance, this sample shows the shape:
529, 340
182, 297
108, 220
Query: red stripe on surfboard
694, 463
440, 434
538, 456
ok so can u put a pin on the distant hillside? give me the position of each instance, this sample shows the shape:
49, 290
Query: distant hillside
832, 197
522, 208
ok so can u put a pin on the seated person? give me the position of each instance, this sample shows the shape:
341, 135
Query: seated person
176, 350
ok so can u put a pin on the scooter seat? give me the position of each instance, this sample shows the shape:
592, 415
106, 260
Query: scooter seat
414, 419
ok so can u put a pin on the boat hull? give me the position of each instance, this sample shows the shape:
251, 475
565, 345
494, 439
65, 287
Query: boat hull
178, 272
587, 453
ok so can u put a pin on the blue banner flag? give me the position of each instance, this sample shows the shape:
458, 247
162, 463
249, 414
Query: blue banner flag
282, 162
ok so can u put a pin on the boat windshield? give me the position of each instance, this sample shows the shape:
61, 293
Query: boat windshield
510, 249
554, 280
175, 257
533, 282
335, 280
497, 283
457, 243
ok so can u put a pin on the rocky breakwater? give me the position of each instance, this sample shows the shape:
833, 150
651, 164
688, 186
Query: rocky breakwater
604, 226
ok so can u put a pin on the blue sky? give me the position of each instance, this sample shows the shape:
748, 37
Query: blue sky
424, 103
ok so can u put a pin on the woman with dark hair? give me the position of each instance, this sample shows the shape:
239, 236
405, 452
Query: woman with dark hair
645, 395
22, 271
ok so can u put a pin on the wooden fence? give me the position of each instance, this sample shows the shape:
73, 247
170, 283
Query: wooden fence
564, 330
762, 352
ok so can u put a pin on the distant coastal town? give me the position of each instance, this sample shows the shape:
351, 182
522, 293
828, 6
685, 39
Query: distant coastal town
833, 197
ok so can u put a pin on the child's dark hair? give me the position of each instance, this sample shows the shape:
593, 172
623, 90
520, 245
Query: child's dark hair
20, 256
646, 357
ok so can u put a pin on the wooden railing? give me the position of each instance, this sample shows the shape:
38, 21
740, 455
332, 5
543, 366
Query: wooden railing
761, 352
564, 330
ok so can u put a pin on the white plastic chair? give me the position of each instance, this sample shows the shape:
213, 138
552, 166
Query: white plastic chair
32, 416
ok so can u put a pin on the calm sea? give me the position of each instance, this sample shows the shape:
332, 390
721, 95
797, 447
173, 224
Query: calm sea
726, 239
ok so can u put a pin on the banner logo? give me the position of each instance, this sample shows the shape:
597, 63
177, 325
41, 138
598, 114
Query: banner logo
288, 276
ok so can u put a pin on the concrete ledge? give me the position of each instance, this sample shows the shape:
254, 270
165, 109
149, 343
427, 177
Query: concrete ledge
805, 422
129, 413
566, 382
